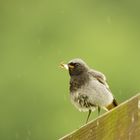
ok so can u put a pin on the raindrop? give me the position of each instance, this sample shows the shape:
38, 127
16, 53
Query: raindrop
109, 20
91, 131
38, 41
17, 135
97, 123
29, 132
129, 135
139, 104
133, 118
138, 113
18, 75
40, 57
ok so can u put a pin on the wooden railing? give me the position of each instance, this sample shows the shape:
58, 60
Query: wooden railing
121, 123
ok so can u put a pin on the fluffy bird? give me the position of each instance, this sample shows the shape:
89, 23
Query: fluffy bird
88, 88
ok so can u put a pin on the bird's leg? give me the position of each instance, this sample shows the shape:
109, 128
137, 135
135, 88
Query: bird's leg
88, 115
99, 110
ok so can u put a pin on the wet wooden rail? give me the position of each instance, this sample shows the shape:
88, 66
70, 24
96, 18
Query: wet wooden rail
121, 123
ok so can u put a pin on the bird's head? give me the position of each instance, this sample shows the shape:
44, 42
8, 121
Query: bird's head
76, 67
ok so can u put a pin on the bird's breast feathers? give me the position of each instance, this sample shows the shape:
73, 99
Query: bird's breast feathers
91, 95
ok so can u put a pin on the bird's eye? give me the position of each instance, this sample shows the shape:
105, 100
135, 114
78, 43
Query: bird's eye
74, 64
77, 64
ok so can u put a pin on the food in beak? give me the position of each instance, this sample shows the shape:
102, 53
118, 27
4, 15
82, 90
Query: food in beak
64, 66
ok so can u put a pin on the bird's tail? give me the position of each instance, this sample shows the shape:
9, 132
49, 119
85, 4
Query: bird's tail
112, 105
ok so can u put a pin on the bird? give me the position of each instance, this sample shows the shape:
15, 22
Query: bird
88, 88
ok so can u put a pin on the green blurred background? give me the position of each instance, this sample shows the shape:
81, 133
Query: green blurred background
35, 36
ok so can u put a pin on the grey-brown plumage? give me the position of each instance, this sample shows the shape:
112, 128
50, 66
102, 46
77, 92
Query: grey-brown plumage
88, 88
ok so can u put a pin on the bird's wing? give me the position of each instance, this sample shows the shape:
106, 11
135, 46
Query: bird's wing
99, 76
102, 79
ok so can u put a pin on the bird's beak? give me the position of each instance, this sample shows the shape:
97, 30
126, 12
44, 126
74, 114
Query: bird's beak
64, 66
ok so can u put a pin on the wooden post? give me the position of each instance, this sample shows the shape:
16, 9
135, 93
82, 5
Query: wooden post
121, 123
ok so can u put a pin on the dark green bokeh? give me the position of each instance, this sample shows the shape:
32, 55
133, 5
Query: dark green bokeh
35, 36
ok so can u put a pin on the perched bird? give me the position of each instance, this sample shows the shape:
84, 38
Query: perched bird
88, 88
